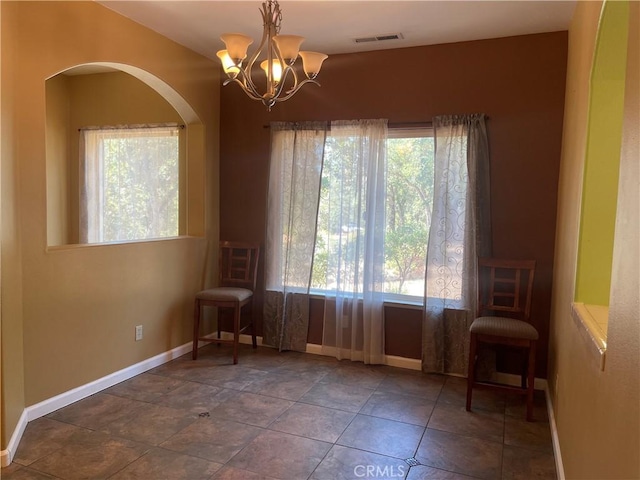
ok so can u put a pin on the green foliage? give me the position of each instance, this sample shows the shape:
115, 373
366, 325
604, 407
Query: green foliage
140, 181
409, 200
409, 186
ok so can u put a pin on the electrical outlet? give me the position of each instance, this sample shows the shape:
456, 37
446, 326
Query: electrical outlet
138, 332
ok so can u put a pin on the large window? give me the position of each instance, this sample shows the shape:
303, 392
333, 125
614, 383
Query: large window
408, 204
130, 184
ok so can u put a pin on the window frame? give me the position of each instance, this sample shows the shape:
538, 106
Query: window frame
97, 238
422, 131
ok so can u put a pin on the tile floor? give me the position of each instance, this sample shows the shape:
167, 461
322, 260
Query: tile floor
286, 416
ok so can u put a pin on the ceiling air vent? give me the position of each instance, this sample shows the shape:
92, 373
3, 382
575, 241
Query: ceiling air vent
379, 38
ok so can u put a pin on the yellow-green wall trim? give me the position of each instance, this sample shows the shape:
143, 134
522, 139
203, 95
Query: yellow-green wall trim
602, 162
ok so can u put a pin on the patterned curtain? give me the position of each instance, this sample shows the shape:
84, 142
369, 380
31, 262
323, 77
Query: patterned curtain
297, 150
460, 232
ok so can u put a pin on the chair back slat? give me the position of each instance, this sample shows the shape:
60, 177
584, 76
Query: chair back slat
505, 286
238, 266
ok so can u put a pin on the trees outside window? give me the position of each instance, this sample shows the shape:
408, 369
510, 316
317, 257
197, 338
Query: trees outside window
131, 184
409, 198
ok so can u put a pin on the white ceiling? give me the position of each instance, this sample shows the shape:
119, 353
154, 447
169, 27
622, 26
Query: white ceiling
331, 26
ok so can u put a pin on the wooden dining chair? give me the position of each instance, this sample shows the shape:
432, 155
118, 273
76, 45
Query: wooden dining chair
504, 306
238, 266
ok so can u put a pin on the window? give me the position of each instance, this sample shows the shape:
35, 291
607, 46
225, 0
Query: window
131, 184
408, 202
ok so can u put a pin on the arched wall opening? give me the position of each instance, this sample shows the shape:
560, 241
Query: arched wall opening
110, 94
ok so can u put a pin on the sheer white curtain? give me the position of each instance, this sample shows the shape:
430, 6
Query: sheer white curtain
129, 179
460, 232
352, 219
294, 182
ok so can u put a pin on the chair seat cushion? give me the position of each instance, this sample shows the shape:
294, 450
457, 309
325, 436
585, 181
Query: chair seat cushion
224, 294
504, 327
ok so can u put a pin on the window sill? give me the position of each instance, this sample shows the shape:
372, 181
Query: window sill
77, 246
592, 321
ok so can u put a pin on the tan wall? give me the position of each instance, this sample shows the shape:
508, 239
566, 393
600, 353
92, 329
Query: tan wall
12, 351
68, 314
58, 160
518, 82
597, 412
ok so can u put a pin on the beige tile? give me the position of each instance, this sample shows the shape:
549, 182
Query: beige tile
306, 370
213, 439
96, 455
311, 421
297, 415
454, 393
281, 455
333, 395
99, 411
360, 376
422, 472
153, 424
532, 435
231, 473
386, 437
194, 397
231, 376
43, 437
145, 387
471, 456
164, 464
517, 406
343, 463
402, 408
422, 385
279, 385
477, 423
19, 472
245, 407
524, 464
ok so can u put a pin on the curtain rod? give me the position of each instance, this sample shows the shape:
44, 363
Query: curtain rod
392, 124
420, 124
132, 126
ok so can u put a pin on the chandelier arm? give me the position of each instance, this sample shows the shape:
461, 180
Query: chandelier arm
283, 78
290, 93
251, 94
247, 83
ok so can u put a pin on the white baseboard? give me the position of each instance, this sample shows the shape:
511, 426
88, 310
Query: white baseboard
554, 435
62, 400
390, 360
6, 456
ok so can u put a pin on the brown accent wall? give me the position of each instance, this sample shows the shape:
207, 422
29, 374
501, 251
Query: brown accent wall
518, 82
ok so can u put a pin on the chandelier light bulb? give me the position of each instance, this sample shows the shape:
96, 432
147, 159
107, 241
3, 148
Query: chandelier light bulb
277, 69
228, 65
237, 45
312, 63
288, 46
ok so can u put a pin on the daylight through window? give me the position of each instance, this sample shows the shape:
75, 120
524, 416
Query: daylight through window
130, 184
408, 204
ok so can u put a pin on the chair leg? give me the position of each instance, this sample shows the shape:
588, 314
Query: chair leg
531, 380
219, 321
236, 332
471, 370
196, 329
254, 342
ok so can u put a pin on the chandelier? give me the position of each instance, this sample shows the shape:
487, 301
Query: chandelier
281, 53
